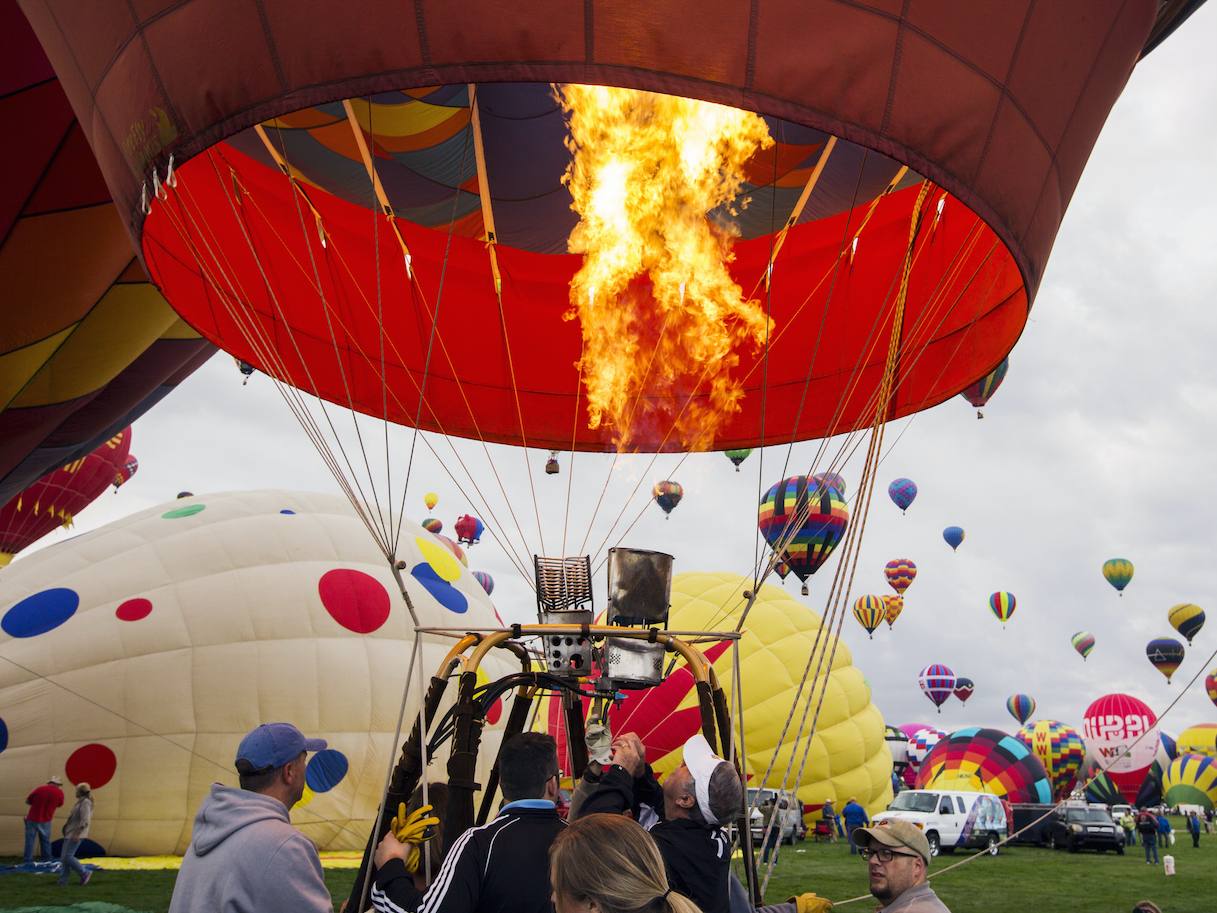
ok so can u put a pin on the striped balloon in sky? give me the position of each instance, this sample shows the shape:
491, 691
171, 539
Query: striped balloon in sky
900, 573
1059, 748
1210, 685
870, 612
433, 525
1187, 619
1021, 706
1166, 654
893, 606
937, 682
808, 520
1083, 642
902, 492
978, 394
1118, 572
832, 480
1003, 605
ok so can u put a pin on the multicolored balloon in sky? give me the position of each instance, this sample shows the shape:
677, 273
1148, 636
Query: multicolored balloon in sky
963, 689
1118, 572
469, 530
870, 612
431, 499
1003, 605
806, 520
667, 495
902, 492
1059, 748
1021, 706
900, 574
978, 394
937, 682
1121, 733
1165, 653
1083, 642
738, 456
1187, 619
833, 480
922, 742
1191, 779
985, 760
953, 536
485, 580
892, 607
433, 526
1210, 686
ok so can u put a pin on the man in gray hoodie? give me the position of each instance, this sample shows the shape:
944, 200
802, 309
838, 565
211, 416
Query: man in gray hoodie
245, 856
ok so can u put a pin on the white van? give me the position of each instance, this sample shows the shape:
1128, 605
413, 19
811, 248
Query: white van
951, 818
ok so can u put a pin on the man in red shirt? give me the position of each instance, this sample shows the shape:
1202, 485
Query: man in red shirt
42, 802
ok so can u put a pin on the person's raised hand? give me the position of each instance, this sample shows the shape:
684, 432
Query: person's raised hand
810, 903
626, 755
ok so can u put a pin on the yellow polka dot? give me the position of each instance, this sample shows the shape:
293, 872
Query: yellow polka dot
306, 798
442, 561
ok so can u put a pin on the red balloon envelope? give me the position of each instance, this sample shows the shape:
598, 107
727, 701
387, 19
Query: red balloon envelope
1110, 727
266, 241
53, 501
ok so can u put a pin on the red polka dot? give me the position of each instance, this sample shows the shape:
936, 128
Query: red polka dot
93, 764
495, 711
134, 610
355, 600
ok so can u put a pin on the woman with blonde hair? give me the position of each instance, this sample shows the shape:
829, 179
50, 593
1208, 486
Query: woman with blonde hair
609, 864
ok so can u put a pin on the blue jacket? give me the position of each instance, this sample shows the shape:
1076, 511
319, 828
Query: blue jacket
854, 815
1164, 826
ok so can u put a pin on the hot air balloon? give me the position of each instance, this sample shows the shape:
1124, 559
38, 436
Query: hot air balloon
1003, 605
469, 530
431, 499
124, 474
921, 743
1102, 789
953, 536
1122, 731
1021, 706
738, 456
1118, 572
1191, 779
892, 607
870, 612
978, 394
1199, 739
805, 520
898, 744
782, 569
902, 492
485, 580
1210, 686
985, 760
433, 526
900, 574
963, 689
667, 495
1059, 748
52, 501
831, 479
454, 548
937, 682
1150, 792
183, 617
1083, 642
1187, 619
1165, 653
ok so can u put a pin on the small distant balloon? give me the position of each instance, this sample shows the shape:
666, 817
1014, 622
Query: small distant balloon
431, 499
1118, 572
1210, 685
738, 456
1003, 605
953, 536
1021, 706
1165, 653
900, 573
893, 606
902, 492
185, 494
485, 580
832, 480
937, 683
870, 612
1083, 642
963, 689
667, 495
1187, 619
455, 549
978, 394
433, 525
469, 530
782, 569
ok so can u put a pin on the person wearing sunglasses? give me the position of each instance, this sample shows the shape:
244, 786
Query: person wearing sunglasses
897, 859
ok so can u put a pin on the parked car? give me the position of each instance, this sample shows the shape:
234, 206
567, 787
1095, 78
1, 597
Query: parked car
791, 816
1082, 828
951, 818
1027, 812
1119, 811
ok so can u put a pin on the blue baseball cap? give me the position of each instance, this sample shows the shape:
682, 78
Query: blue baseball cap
272, 745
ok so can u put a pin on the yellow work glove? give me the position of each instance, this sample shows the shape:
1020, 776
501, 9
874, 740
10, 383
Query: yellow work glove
412, 829
809, 903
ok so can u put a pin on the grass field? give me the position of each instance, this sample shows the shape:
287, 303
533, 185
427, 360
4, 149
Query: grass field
1017, 880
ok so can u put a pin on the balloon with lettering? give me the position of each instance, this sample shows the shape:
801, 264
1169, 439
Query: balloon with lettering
963, 689
1083, 642
1021, 706
1059, 748
937, 682
902, 492
1165, 654
1118, 572
900, 573
954, 536
1187, 619
1110, 727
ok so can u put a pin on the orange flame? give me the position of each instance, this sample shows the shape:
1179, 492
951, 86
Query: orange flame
661, 315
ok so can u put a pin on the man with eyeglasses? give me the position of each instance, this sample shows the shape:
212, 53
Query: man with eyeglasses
897, 857
500, 867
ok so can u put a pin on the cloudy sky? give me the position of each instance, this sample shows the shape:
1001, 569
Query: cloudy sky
1101, 443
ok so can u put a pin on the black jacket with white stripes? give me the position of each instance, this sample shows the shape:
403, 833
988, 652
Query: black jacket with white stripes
501, 867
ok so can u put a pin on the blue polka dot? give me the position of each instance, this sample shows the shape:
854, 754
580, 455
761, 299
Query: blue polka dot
444, 592
325, 770
3, 735
288, 512
40, 613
